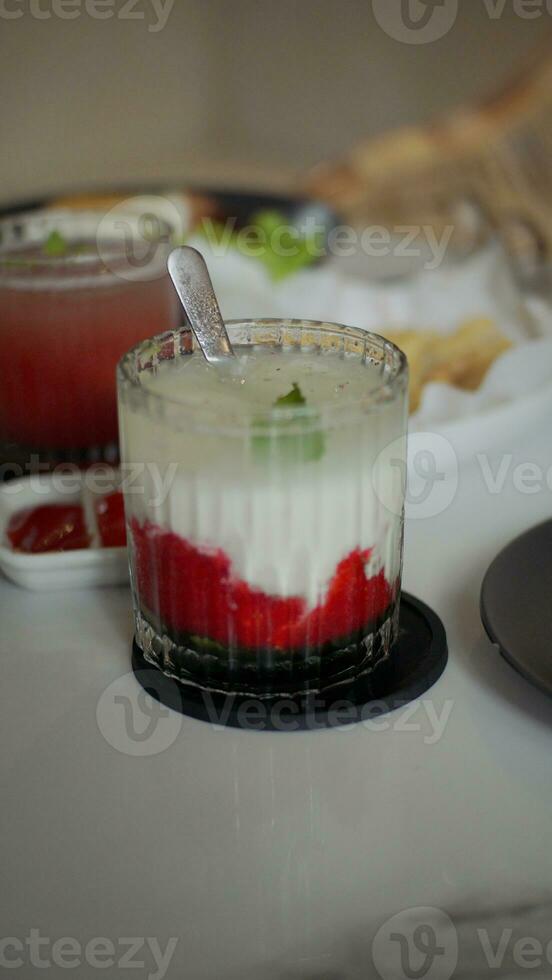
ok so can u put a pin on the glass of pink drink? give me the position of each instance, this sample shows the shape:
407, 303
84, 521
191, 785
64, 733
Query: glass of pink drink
72, 300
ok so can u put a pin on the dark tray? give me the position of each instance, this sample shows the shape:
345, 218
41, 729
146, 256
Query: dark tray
515, 605
228, 203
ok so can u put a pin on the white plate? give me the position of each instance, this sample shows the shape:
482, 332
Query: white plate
78, 569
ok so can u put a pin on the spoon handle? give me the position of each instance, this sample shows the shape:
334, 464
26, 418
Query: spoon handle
189, 273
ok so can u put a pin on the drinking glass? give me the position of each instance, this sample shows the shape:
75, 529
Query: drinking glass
73, 298
265, 572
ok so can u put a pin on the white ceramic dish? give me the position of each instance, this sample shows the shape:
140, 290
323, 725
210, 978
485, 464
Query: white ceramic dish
78, 569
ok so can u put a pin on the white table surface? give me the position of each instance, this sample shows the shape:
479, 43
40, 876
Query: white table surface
274, 855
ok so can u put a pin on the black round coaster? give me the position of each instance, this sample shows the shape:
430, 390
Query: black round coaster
418, 659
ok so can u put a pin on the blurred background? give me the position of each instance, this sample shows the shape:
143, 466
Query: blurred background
424, 127
227, 91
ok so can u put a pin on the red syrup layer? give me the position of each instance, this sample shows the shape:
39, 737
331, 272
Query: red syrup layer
195, 592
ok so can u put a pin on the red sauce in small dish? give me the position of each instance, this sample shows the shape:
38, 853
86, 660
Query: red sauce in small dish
50, 527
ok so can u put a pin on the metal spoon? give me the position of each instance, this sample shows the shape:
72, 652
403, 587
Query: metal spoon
189, 273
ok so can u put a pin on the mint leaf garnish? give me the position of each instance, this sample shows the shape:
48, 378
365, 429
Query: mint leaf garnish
279, 444
55, 245
293, 397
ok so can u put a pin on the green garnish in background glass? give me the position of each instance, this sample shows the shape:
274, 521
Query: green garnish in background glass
279, 445
55, 245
